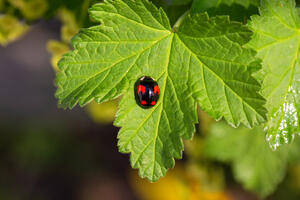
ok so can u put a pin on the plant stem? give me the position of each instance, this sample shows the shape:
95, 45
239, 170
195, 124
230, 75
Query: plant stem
180, 20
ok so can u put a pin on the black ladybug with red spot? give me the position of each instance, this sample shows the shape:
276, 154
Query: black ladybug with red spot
146, 92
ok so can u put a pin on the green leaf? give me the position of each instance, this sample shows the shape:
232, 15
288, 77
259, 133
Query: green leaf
254, 164
277, 40
202, 63
238, 10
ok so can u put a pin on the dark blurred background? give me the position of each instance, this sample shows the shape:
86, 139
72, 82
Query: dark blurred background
47, 152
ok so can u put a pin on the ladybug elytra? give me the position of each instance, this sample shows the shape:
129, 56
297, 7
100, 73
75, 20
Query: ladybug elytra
146, 92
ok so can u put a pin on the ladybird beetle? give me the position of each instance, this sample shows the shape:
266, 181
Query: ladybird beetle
146, 92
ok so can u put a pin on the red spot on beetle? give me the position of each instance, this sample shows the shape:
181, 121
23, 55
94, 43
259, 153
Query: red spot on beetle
156, 89
153, 103
141, 88
144, 102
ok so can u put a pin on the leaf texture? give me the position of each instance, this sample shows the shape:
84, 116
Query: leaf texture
203, 63
277, 40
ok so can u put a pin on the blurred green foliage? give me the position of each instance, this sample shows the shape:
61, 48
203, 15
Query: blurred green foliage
239, 10
11, 29
31, 10
254, 163
1, 5
173, 8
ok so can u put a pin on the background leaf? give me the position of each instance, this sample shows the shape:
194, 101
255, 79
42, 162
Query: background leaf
173, 8
254, 164
238, 10
31, 9
277, 40
11, 29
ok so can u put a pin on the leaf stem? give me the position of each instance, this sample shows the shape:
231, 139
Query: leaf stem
180, 20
